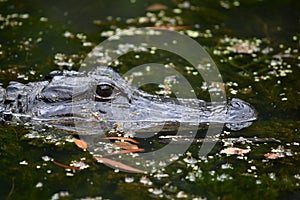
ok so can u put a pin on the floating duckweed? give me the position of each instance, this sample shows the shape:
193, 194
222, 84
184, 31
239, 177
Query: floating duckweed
177, 11
69, 174
12, 20
155, 191
236, 45
63, 60
232, 91
191, 177
226, 166
79, 164
212, 172
160, 175
225, 4
81, 36
24, 16
143, 20
185, 4
68, 34
43, 19
46, 158
146, 181
107, 33
223, 177
236, 3
297, 176
193, 34
181, 194
129, 179
24, 162
190, 160
39, 185
272, 176
60, 195
295, 38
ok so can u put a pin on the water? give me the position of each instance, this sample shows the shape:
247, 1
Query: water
255, 45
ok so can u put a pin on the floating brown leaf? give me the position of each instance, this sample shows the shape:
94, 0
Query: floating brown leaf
80, 143
235, 151
125, 145
156, 7
65, 166
272, 155
118, 165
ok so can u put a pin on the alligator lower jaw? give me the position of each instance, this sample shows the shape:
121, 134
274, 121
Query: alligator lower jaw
83, 126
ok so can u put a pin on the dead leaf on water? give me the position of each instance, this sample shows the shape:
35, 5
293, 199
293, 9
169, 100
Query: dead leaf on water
65, 166
235, 151
125, 145
80, 143
118, 165
156, 7
272, 155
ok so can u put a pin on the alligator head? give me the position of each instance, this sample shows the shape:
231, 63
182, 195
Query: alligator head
94, 102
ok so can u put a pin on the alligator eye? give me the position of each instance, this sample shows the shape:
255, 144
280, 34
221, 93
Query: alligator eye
104, 92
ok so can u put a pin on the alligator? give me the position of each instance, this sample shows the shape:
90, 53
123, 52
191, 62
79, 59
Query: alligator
93, 102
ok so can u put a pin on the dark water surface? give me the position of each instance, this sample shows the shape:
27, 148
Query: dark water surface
255, 45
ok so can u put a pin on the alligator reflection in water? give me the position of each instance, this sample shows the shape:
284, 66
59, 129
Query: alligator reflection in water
97, 101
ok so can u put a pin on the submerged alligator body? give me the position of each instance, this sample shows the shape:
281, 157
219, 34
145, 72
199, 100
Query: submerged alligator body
96, 101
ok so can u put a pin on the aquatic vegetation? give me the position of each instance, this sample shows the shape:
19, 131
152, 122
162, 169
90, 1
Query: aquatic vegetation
256, 51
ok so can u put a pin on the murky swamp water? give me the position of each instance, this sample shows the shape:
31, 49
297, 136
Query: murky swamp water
255, 45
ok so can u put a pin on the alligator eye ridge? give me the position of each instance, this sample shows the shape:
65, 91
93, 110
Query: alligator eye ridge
104, 92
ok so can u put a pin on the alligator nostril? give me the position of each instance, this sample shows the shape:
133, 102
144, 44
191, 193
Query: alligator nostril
237, 104
102, 111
